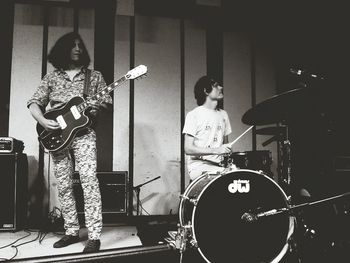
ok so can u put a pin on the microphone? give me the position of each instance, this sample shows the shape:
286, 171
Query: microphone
249, 217
252, 217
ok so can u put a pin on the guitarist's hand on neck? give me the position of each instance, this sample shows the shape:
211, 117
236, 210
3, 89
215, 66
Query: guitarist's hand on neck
94, 107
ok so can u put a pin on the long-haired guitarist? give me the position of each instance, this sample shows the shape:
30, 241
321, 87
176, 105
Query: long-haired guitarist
70, 59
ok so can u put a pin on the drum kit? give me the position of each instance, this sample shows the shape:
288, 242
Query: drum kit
244, 215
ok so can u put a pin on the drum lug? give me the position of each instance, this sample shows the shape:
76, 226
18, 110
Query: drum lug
183, 197
194, 243
193, 201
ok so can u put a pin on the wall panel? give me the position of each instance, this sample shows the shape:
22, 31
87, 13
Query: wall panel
195, 64
157, 113
25, 77
87, 30
121, 95
237, 86
265, 88
58, 26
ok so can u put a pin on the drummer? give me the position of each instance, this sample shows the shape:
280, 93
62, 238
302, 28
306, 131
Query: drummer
206, 130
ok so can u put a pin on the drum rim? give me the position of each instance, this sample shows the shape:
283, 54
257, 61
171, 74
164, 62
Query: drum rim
246, 152
291, 219
188, 188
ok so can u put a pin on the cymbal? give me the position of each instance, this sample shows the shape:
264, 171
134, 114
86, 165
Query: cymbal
282, 107
275, 130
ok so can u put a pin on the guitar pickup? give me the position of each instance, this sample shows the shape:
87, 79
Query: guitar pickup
61, 122
75, 112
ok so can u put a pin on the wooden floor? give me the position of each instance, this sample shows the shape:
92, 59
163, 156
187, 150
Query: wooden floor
112, 237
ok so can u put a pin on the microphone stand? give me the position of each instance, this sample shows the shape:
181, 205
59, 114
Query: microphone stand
137, 188
291, 209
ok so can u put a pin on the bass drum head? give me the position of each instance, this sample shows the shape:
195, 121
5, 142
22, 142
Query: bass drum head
218, 228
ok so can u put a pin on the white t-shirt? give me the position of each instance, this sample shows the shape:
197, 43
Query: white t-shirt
208, 127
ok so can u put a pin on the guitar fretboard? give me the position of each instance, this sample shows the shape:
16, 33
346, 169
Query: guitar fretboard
101, 94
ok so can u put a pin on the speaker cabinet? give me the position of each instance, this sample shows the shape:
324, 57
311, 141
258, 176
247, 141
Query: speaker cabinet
114, 187
13, 191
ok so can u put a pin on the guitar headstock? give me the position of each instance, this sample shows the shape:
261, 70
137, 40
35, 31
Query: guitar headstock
136, 72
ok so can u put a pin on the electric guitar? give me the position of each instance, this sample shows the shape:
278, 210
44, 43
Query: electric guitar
72, 118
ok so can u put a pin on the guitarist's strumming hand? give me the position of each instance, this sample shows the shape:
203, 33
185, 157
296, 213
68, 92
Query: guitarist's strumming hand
49, 125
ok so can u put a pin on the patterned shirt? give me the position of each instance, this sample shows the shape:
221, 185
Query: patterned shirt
56, 88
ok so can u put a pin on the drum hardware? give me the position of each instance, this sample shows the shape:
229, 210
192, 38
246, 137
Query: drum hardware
246, 230
290, 108
197, 223
253, 217
137, 188
214, 173
272, 139
254, 160
284, 147
284, 156
193, 201
282, 107
182, 237
306, 73
286, 163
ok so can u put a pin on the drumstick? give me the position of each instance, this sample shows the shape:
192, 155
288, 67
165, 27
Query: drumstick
240, 136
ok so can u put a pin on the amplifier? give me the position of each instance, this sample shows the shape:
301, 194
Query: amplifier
114, 187
10, 145
13, 191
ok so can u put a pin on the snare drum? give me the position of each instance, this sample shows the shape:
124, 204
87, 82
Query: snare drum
212, 207
253, 160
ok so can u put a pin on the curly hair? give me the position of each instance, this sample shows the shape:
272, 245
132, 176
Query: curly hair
59, 55
202, 88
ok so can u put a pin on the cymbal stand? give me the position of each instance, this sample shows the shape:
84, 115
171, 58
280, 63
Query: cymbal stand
285, 162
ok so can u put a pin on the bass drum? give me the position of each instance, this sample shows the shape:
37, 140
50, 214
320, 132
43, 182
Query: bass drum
213, 205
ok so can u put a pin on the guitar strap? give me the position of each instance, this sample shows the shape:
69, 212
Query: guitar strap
87, 83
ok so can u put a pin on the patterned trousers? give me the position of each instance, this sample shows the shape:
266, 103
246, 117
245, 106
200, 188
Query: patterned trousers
85, 156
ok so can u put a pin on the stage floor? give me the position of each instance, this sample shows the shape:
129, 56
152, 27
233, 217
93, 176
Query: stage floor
112, 237
319, 250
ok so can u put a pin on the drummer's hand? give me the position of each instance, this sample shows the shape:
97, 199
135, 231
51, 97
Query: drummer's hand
224, 149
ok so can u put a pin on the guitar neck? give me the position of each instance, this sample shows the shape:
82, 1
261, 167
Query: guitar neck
101, 94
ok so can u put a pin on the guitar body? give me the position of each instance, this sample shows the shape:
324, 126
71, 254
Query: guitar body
70, 121
72, 118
